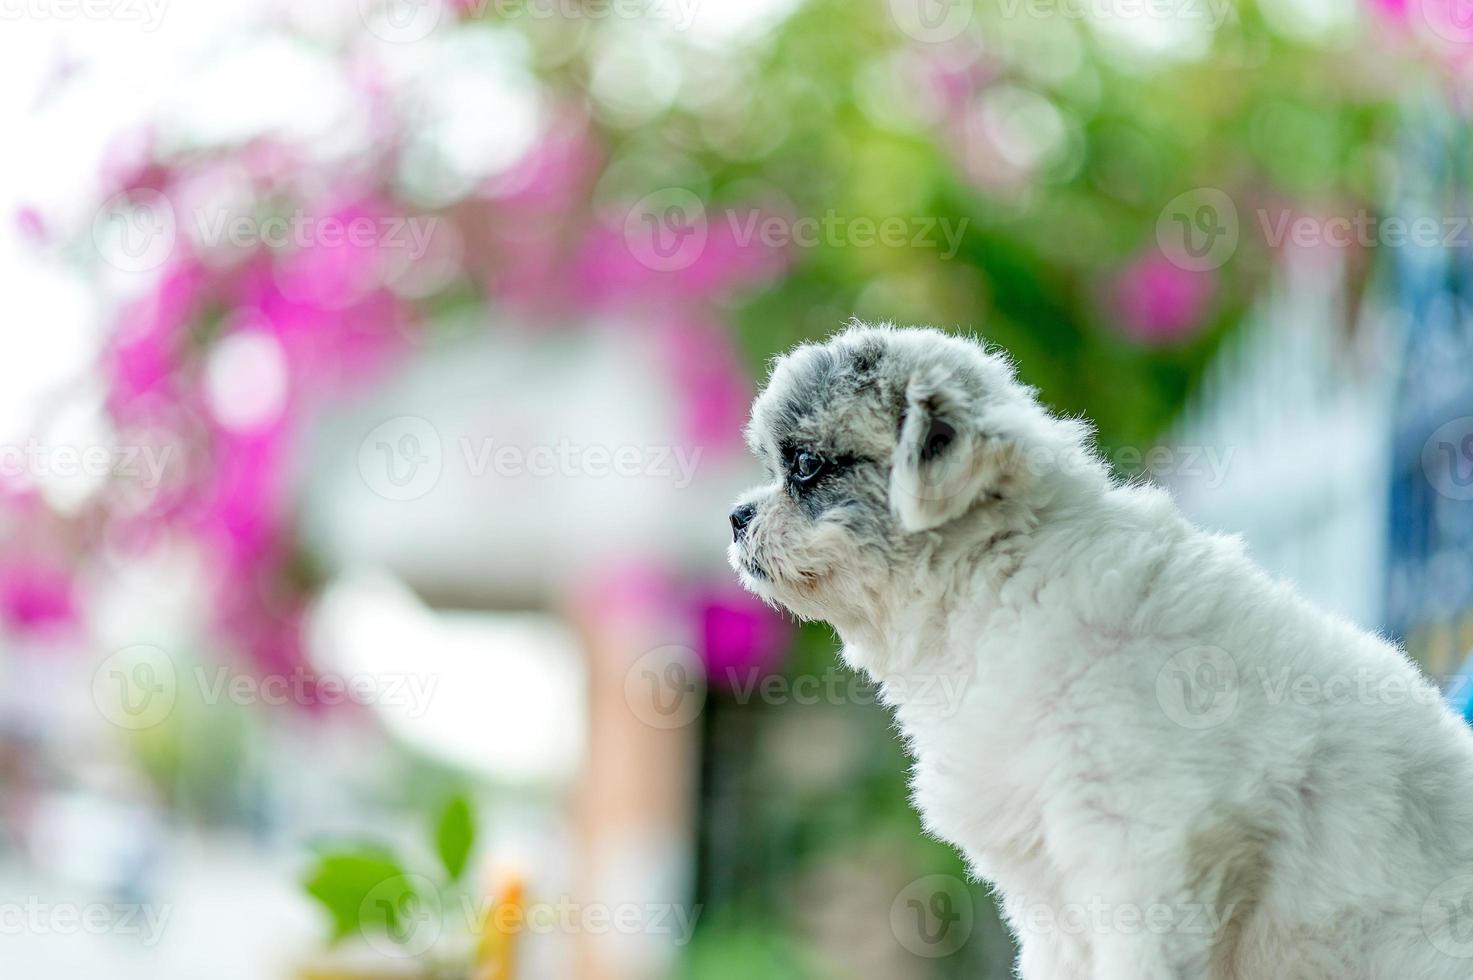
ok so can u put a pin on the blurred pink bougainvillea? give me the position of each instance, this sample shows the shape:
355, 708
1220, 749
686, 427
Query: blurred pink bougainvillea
235, 345
36, 594
1158, 302
38, 589
741, 639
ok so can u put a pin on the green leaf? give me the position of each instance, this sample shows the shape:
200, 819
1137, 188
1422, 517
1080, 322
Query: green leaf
350, 883
455, 835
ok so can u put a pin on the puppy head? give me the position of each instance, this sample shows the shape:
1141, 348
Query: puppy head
880, 445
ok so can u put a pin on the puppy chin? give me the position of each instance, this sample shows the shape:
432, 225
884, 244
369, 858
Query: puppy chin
754, 577
779, 593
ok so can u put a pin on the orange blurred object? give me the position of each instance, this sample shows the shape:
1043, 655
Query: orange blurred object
500, 930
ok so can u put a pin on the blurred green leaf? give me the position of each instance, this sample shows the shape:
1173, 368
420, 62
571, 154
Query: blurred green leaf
765, 950
349, 884
455, 835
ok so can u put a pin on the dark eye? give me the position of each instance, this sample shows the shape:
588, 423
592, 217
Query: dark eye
806, 467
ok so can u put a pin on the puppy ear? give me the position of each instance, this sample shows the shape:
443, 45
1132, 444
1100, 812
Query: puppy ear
944, 462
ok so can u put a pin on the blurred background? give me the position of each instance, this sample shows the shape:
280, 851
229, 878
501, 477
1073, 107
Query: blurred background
371, 383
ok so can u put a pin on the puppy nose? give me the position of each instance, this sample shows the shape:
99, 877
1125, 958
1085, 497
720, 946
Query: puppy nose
740, 518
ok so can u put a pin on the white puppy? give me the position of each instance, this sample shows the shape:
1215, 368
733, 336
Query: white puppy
1170, 765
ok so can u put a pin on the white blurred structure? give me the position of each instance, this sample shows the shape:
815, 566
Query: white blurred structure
1305, 411
503, 469
501, 694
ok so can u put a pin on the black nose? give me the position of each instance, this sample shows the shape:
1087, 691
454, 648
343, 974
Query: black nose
740, 518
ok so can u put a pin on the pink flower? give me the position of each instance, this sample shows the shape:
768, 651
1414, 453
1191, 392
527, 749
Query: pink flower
714, 385
524, 228
741, 639
31, 225
1449, 20
328, 345
1158, 302
264, 621
559, 168
36, 595
246, 508
631, 590
149, 342
342, 255
612, 269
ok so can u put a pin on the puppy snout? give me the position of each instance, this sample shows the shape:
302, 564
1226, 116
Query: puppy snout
740, 518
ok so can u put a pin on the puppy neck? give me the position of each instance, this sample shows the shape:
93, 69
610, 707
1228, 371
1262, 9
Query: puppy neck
959, 571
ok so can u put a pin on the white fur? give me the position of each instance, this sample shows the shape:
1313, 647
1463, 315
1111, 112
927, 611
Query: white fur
1170, 765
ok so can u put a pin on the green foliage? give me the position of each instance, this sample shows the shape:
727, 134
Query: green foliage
731, 953
360, 888
367, 890
455, 835
1265, 118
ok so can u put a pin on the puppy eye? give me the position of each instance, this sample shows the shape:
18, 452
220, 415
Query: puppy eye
806, 467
